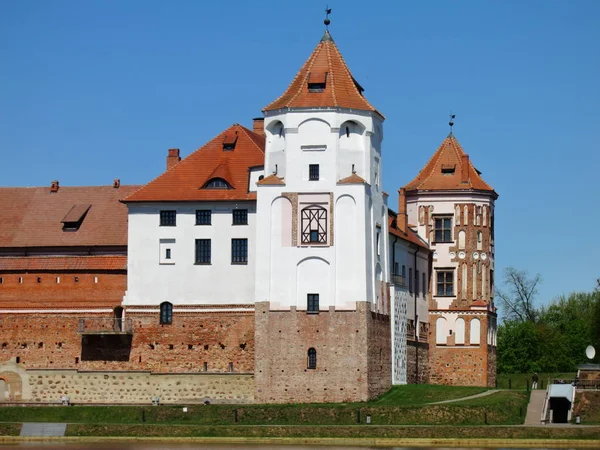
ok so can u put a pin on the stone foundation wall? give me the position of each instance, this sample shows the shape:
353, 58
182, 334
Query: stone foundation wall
492, 366
379, 354
52, 341
282, 342
417, 362
48, 386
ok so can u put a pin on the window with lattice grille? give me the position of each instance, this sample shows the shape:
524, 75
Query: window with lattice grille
314, 225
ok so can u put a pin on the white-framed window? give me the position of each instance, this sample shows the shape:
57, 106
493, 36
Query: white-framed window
166, 248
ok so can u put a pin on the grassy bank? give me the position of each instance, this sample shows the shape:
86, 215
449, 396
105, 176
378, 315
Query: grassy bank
501, 408
520, 380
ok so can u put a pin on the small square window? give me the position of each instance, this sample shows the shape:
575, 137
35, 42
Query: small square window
203, 248
168, 253
312, 303
240, 217
239, 251
168, 218
203, 217
313, 172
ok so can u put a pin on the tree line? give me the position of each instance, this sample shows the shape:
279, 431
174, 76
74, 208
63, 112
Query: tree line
550, 338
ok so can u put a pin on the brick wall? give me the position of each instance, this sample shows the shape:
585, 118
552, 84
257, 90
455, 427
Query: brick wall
417, 362
341, 339
52, 341
379, 354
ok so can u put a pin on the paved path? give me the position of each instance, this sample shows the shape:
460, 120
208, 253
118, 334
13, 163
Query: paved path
482, 394
43, 429
535, 407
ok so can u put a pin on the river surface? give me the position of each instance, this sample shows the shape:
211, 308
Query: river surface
192, 446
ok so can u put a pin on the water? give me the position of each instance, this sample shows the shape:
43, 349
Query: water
194, 446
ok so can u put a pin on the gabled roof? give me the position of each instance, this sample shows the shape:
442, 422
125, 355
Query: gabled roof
409, 236
325, 66
272, 180
185, 181
444, 171
33, 216
352, 179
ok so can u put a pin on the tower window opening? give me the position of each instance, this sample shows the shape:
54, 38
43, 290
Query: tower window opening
347, 132
317, 81
312, 358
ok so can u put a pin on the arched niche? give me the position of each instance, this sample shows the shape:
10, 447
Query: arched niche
441, 330
462, 237
346, 250
314, 132
475, 332
459, 333
313, 276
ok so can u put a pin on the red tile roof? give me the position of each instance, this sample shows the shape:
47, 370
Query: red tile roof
185, 180
352, 179
32, 217
410, 235
272, 180
63, 263
324, 64
448, 158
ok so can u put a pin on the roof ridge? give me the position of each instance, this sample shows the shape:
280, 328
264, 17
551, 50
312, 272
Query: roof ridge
330, 67
249, 133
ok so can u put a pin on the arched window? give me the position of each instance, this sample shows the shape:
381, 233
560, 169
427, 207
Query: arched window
217, 183
166, 313
314, 225
312, 358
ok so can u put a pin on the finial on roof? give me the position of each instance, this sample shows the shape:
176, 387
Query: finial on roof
451, 123
327, 36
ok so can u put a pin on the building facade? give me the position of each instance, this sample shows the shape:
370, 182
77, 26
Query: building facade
264, 267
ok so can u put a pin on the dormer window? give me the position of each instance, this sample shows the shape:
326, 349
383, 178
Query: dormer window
317, 81
74, 218
230, 140
448, 169
216, 183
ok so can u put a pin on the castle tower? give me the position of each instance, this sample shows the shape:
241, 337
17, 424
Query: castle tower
453, 209
322, 323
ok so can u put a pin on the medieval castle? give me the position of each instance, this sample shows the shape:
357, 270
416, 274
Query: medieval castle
264, 267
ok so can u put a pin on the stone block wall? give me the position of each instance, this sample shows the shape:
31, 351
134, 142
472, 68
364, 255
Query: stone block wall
341, 339
417, 362
52, 341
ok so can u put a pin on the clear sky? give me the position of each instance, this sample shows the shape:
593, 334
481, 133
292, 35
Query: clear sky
96, 90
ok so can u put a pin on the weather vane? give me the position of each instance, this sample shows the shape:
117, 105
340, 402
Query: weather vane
327, 21
451, 123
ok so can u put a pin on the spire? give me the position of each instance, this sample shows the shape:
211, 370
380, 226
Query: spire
449, 169
324, 81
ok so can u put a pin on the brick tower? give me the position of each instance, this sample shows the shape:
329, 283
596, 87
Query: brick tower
453, 208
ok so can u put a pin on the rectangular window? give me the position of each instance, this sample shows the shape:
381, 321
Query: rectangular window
203, 216
168, 218
239, 251
240, 217
312, 305
443, 229
202, 251
168, 253
417, 282
445, 283
410, 280
313, 172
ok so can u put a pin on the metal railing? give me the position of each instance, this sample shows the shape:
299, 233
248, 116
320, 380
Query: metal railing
105, 325
579, 384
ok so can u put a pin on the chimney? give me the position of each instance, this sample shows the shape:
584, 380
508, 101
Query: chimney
117, 183
54, 186
402, 219
258, 125
173, 157
464, 170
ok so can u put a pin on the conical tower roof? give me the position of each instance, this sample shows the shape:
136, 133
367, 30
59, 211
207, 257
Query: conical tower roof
449, 169
323, 81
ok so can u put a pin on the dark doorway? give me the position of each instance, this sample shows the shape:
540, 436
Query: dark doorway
560, 407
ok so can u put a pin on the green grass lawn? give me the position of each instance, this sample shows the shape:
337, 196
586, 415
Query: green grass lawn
519, 380
419, 394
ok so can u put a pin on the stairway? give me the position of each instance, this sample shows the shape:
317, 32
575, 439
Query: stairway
535, 407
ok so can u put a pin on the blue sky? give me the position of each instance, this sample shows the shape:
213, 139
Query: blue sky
96, 90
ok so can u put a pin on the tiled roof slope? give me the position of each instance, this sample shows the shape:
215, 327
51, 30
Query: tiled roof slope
185, 180
410, 235
32, 217
341, 89
449, 155
63, 263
